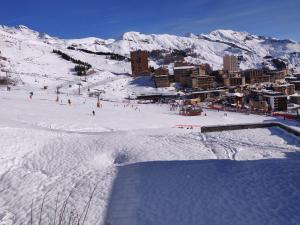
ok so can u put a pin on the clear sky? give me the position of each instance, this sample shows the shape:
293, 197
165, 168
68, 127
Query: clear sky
111, 18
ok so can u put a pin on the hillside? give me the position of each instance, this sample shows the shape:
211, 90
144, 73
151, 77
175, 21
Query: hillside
29, 57
145, 168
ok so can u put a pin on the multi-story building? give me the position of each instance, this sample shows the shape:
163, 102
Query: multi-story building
260, 105
234, 81
205, 69
256, 76
139, 63
267, 79
162, 71
219, 76
204, 82
297, 84
275, 75
297, 76
253, 76
162, 81
295, 98
183, 71
230, 63
161, 78
276, 101
257, 101
285, 89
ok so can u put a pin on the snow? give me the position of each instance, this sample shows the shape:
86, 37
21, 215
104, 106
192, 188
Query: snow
235, 95
206, 192
184, 67
209, 48
140, 162
147, 171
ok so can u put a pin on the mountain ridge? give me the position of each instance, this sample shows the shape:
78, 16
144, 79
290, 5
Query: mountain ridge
255, 50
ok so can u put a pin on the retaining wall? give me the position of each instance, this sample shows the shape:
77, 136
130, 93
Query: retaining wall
207, 129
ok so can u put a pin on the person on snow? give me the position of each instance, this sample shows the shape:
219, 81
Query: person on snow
94, 113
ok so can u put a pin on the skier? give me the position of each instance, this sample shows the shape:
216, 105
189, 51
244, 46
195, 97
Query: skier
30, 95
69, 101
94, 113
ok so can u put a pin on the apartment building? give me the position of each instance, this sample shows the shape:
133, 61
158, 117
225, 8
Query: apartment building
161, 71
295, 98
276, 101
139, 63
205, 69
297, 84
285, 89
161, 78
276, 75
253, 76
162, 81
234, 81
183, 71
230, 63
204, 82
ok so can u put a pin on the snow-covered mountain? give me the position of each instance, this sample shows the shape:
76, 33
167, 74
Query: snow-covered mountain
208, 47
30, 53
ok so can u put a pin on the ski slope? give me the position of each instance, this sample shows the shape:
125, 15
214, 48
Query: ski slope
147, 171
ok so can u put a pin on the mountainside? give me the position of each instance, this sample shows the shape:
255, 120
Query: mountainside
205, 48
26, 53
68, 157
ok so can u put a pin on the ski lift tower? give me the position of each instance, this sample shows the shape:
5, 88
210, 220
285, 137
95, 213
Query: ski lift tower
7, 79
57, 93
79, 85
98, 93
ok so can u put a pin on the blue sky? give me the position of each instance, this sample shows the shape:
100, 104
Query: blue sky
111, 18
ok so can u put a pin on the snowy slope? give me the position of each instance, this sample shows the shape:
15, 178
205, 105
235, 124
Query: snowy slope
211, 48
147, 171
31, 60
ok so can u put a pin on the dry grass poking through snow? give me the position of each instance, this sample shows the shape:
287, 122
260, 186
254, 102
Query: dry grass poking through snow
66, 213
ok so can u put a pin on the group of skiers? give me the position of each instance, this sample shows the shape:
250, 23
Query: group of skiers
174, 107
99, 105
128, 105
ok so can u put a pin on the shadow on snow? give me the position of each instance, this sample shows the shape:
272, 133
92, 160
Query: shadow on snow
208, 192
